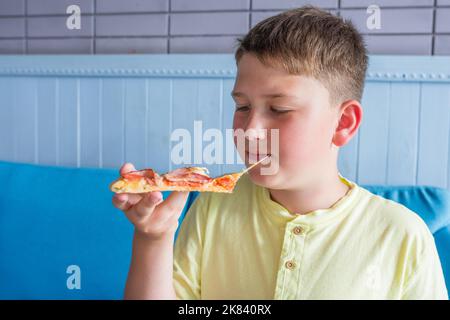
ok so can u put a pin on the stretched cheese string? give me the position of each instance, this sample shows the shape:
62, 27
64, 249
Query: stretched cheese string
253, 165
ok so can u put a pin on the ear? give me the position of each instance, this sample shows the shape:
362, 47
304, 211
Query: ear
349, 118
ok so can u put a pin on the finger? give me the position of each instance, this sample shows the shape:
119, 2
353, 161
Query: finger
166, 218
131, 198
120, 201
147, 204
127, 167
173, 222
175, 202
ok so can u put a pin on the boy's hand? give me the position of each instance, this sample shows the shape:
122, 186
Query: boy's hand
151, 216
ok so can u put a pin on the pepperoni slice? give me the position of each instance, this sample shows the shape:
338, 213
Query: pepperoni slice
228, 181
150, 176
192, 175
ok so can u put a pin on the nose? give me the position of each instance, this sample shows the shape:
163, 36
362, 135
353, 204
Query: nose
255, 128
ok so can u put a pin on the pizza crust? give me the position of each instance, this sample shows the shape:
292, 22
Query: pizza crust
123, 185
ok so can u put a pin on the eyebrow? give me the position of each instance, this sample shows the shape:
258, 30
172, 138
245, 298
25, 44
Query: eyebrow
272, 95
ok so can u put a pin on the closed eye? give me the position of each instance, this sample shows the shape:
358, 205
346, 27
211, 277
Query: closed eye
276, 110
242, 108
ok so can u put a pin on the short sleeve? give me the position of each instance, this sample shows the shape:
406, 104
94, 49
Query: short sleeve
188, 252
427, 279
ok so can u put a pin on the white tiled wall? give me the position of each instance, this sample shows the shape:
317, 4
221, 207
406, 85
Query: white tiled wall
205, 26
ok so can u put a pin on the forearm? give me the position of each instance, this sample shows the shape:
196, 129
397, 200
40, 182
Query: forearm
151, 270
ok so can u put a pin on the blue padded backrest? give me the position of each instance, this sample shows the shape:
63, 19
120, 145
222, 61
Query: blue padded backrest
54, 217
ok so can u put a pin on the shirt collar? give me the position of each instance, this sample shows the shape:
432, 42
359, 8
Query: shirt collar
281, 215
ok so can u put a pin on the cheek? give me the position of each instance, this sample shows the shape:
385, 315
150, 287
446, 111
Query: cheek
303, 143
235, 121
238, 121
293, 145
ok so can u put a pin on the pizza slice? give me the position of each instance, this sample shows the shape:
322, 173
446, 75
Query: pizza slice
182, 179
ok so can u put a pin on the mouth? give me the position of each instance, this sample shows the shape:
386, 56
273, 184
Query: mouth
256, 156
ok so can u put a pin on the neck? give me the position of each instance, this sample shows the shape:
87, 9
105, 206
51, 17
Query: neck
323, 194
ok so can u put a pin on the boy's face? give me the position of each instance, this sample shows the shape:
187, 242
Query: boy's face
299, 106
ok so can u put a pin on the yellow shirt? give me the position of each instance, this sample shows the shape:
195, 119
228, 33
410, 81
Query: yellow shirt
244, 245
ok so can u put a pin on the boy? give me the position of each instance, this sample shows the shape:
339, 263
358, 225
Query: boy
304, 232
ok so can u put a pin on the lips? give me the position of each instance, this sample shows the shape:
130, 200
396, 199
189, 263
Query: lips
256, 156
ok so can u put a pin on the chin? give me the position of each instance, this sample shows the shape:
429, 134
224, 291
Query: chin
267, 181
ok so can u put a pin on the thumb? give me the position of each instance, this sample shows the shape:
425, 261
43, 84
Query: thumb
127, 167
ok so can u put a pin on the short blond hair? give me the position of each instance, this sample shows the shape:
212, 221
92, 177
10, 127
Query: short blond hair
312, 42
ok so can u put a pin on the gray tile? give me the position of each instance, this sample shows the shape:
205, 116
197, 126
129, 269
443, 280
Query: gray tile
443, 20
442, 45
288, 4
12, 46
204, 5
58, 6
386, 3
132, 25
131, 45
56, 27
60, 46
207, 44
259, 16
393, 20
12, 7
12, 27
223, 23
443, 2
399, 44
121, 6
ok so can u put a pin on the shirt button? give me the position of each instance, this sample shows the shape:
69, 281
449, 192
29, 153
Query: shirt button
290, 265
297, 231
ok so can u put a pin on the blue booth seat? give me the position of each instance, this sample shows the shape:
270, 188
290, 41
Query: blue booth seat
54, 220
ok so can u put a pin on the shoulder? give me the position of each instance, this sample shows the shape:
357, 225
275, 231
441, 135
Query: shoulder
397, 218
